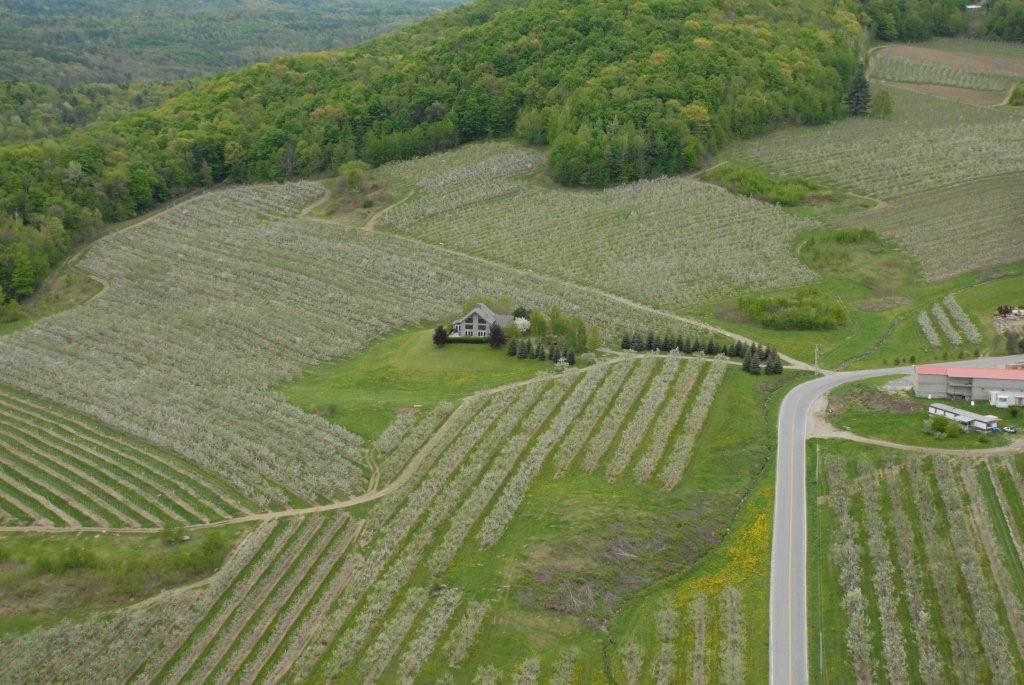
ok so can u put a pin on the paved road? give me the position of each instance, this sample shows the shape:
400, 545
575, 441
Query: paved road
788, 629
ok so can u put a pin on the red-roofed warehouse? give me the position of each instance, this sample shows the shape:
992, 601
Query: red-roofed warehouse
999, 387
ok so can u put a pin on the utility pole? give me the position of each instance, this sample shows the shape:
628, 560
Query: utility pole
816, 355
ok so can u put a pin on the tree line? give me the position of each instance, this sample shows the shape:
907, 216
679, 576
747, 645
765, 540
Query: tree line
618, 93
754, 355
914, 20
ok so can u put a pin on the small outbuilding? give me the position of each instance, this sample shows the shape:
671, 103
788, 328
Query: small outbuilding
968, 420
479, 321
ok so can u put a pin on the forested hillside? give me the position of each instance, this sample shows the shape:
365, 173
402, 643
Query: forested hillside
70, 42
620, 91
30, 110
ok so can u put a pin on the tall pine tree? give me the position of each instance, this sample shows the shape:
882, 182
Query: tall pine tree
858, 100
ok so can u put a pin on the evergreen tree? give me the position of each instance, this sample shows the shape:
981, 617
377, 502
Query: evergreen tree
440, 336
552, 354
513, 348
751, 363
649, 344
627, 343
712, 347
774, 366
638, 343
858, 100
524, 349
570, 357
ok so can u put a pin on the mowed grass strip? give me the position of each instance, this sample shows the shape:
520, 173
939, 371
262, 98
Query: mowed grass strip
438, 511
261, 619
307, 597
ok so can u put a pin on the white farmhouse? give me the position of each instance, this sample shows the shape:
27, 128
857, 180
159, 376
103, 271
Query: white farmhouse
477, 324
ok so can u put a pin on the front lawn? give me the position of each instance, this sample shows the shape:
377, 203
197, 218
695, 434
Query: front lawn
865, 408
362, 393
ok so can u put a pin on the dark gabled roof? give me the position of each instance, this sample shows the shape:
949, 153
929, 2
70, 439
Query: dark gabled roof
488, 315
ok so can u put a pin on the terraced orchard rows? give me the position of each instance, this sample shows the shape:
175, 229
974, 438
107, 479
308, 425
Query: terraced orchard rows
989, 221
924, 555
217, 300
332, 597
939, 143
955, 160
894, 67
65, 469
669, 242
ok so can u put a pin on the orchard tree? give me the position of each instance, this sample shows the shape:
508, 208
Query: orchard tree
881, 104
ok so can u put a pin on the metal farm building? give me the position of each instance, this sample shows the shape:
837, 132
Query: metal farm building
999, 387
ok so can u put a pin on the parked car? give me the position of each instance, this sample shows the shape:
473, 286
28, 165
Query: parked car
1009, 429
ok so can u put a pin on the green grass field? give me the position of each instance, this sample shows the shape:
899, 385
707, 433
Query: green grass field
48, 578
881, 289
914, 566
362, 393
867, 409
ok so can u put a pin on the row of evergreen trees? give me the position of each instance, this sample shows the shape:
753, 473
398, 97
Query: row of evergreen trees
757, 355
752, 354
524, 348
